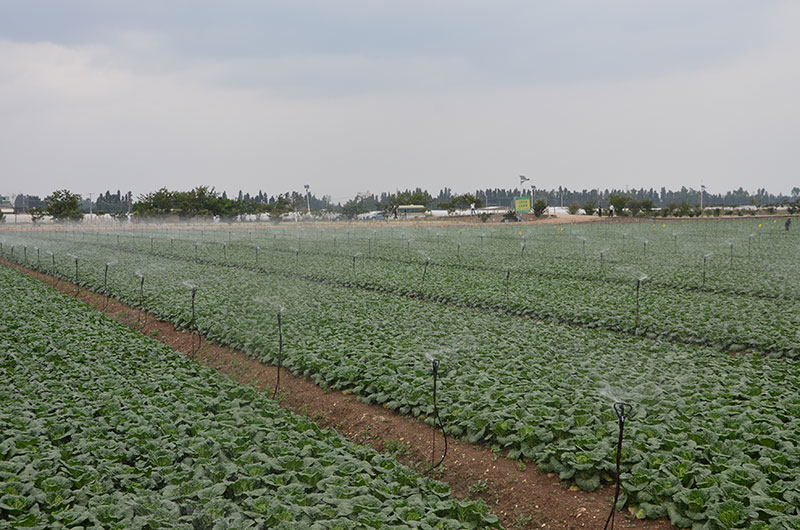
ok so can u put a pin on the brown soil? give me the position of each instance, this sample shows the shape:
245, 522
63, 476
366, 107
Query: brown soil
520, 495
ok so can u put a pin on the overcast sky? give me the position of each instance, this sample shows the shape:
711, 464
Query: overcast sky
366, 95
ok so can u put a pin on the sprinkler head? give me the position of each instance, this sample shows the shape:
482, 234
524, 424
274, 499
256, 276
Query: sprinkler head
435, 363
622, 409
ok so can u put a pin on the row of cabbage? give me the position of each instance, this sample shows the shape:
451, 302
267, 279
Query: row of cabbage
104, 428
532, 286
712, 441
740, 257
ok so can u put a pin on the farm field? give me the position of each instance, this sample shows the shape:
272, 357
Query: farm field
105, 428
713, 438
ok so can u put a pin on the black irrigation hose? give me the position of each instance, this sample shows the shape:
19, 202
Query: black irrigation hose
435, 419
622, 409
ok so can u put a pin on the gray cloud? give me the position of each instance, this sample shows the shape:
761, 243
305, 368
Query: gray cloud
126, 105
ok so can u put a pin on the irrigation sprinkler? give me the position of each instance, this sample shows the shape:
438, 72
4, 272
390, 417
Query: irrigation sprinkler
193, 322
38, 259
369, 247
225, 253
583, 241
622, 410
645, 242
152, 251
508, 275
117, 240
749, 244
408, 250
425, 271
76, 272
435, 365
171, 245
25, 254
481, 241
195, 252
356, 255
522, 251
257, 249
141, 299
602, 256
731, 245
105, 284
705, 261
639, 281
280, 355
458, 252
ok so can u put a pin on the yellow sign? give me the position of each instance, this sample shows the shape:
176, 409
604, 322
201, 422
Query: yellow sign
522, 204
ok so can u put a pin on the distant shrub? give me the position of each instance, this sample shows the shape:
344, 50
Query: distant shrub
573, 208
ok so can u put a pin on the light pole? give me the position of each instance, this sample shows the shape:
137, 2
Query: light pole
308, 200
523, 179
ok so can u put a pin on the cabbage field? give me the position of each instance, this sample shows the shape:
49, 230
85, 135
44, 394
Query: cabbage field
105, 428
539, 329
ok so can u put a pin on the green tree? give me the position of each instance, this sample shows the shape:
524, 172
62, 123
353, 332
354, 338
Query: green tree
281, 205
539, 206
63, 205
619, 202
37, 214
160, 202
589, 206
352, 208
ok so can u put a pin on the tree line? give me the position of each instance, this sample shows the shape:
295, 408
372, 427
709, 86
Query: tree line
206, 201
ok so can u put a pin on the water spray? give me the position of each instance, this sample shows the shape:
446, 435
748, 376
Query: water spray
280, 355
623, 410
435, 366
